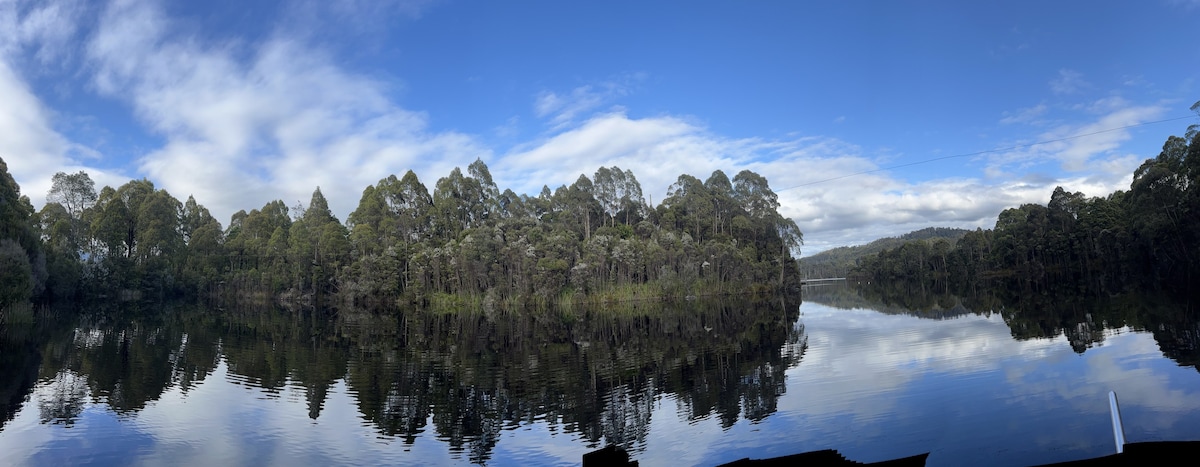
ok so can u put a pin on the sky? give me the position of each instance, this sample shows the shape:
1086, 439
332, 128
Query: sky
869, 119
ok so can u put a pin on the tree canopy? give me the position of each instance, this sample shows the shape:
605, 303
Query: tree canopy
466, 240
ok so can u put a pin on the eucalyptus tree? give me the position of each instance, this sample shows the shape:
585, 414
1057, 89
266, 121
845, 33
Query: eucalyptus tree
1163, 206
451, 204
581, 202
486, 194
75, 193
413, 204
398, 209
688, 206
317, 247
109, 228
204, 254
606, 191
62, 246
720, 190
16, 274
257, 242
619, 192
159, 241
513, 206
21, 276
137, 236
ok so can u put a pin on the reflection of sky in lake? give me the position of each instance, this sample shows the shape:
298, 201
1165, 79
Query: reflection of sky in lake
885, 386
873, 386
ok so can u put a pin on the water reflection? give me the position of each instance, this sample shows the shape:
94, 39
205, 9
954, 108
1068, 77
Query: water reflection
465, 379
997, 375
1084, 319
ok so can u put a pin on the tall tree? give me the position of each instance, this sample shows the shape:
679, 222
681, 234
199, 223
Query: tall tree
721, 191
75, 193
318, 246
19, 246
486, 194
690, 205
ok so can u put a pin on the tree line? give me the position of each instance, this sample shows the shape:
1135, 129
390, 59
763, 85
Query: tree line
838, 262
466, 242
1147, 236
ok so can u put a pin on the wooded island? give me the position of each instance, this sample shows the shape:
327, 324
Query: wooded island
467, 243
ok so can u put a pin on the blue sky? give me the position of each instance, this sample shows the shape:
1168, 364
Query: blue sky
239, 103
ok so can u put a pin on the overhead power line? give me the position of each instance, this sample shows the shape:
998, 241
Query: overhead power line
988, 151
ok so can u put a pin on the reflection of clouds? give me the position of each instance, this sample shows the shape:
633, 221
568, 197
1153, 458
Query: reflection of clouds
26, 434
1132, 365
884, 386
856, 354
873, 386
226, 424
540, 443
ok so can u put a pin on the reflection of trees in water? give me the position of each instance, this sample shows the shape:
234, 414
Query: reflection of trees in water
1046, 311
597, 374
20, 357
890, 297
62, 398
469, 376
465, 378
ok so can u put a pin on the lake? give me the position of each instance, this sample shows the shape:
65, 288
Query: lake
1008, 378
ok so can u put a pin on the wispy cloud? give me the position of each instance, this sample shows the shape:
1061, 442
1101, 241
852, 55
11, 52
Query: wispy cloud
1030, 115
245, 121
313, 20
852, 210
37, 34
1068, 82
28, 144
1090, 151
562, 109
48, 27
277, 123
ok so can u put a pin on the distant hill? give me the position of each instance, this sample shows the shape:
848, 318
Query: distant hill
838, 261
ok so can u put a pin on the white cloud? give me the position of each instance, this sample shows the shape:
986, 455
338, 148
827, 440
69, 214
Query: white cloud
29, 143
870, 384
1029, 115
31, 147
563, 109
1075, 147
244, 123
275, 124
45, 26
1068, 82
831, 211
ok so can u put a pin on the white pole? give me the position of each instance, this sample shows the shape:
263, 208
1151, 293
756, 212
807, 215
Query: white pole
1118, 430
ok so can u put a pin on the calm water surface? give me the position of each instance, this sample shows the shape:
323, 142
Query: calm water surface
971, 381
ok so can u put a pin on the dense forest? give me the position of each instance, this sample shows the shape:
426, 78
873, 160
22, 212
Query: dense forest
466, 243
1148, 236
838, 262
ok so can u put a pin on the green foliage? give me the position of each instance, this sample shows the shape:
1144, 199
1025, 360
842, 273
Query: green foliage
1146, 237
22, 262
837, 262
16, 274
594, 238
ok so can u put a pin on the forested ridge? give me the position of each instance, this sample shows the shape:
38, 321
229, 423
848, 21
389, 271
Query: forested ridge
465, 243
1147, 236
838, 262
